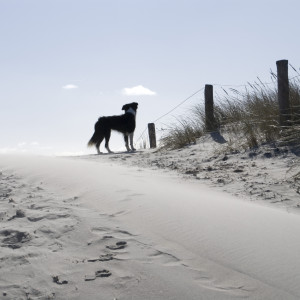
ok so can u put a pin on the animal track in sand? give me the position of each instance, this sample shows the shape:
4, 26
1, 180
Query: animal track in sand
100, 273
57, 281
19, 214
14, 238
117, 246
103, 273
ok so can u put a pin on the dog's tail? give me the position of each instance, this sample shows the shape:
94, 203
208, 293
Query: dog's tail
92, 141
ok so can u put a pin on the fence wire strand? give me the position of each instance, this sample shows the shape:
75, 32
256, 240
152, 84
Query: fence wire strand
178, 105
214, 84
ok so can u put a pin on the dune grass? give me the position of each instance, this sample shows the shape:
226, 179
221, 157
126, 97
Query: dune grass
250, 118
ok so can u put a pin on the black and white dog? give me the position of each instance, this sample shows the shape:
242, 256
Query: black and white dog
123, 123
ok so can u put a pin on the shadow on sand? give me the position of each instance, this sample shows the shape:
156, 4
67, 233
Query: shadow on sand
217, 137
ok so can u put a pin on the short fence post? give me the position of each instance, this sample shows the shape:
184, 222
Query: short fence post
283, 93
152, 135
210, 122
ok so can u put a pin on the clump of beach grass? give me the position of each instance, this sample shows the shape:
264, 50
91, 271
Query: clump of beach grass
250, 117
184, 132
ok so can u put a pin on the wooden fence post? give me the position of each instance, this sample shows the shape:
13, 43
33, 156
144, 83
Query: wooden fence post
283, 93
152, 135
210, 122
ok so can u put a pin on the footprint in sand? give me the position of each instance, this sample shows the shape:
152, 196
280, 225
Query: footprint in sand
19, 214
13, 238
103, 273
117, 246
57, 281
100, 273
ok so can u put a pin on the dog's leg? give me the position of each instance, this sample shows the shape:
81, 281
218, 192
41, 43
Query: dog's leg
98, 148
131, 141
126, 142
107, 137
98, 144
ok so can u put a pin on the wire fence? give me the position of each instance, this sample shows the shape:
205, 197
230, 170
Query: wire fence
232, 88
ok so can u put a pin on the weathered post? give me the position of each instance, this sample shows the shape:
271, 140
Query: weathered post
283, 93
152, 135
210, 122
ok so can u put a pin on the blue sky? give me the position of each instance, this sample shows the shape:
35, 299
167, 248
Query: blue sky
64, 63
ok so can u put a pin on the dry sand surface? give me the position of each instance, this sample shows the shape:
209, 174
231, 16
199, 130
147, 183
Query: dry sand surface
151, 225
266, 175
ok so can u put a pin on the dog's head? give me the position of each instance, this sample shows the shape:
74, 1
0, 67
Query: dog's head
132, 105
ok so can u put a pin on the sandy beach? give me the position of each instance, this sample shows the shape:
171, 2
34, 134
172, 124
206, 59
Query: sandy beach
147, 225
150, 150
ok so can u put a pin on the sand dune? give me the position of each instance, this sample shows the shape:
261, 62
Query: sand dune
93, 229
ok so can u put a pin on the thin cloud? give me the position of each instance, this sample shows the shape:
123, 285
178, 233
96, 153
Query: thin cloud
25, 144
138, 90
34, 143
70, 87
22, 144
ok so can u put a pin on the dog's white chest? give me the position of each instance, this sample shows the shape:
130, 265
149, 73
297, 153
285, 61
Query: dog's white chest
131, 111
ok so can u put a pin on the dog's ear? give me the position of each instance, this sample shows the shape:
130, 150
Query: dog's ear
125, 107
